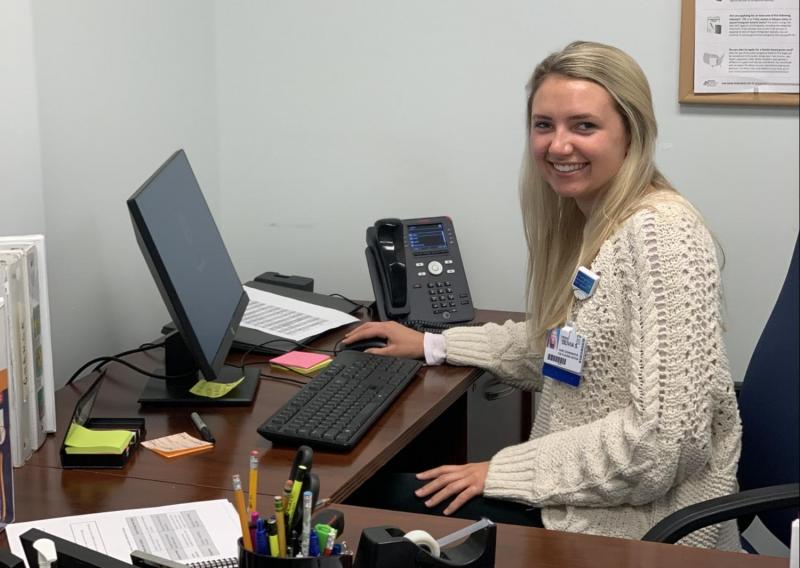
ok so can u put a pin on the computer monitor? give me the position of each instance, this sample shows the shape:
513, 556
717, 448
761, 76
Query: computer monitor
198, 283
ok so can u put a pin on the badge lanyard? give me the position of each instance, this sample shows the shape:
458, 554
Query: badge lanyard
566, 348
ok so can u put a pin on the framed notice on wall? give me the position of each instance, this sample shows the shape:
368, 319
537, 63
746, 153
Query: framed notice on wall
740, 52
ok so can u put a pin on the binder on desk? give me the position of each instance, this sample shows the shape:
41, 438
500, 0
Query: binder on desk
24, 301
36, 265
6, 470
12, 290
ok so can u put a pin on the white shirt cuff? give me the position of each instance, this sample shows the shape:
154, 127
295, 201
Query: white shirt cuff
435, 348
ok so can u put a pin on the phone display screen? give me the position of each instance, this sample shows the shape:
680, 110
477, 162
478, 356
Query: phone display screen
427, 239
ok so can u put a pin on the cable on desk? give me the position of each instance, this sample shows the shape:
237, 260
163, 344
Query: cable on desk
356, 304
106, 359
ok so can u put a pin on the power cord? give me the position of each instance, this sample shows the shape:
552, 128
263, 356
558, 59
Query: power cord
102, 361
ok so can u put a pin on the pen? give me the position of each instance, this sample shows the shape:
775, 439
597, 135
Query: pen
328, 549
254, 516
261, 538
239, 498
205, 433
280, 521
252, 490
305, 534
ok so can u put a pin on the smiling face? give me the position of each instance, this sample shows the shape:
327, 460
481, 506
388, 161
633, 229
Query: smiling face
578, 138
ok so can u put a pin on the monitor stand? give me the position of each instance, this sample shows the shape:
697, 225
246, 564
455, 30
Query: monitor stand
175, 392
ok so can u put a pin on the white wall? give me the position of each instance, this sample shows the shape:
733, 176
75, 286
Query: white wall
22, 209
333, 115
306, 121
121, 86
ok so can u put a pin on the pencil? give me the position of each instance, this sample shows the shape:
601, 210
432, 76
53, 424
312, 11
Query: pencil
253, 489
238, 495
280, 521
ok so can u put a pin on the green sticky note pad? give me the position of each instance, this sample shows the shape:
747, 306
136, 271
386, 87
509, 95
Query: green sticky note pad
82, 440
211, 389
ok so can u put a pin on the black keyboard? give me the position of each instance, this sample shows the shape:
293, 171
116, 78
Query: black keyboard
437, 326
336, 408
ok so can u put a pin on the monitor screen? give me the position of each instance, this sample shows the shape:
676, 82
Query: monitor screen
193, 272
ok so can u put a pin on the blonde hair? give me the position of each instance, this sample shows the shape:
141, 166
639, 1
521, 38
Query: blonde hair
559, 237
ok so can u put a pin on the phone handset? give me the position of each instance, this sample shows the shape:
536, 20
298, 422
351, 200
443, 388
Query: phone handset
386, 240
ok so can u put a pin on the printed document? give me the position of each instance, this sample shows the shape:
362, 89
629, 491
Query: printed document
185, 533
746, 46
290, 318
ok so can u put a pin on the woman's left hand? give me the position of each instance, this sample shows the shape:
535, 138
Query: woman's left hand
464, 481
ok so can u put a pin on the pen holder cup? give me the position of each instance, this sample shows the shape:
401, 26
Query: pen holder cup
249, 559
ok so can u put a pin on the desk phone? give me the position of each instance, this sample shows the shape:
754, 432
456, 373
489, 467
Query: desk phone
416, 271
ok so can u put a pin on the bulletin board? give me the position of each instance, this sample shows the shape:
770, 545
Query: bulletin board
686, 92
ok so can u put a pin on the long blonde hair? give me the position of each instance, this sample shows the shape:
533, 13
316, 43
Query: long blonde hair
560, 238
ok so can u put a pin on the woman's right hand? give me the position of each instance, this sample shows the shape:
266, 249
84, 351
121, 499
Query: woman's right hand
401, 341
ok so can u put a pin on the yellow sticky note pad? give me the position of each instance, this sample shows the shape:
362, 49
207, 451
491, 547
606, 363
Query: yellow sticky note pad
81, 440
213, 389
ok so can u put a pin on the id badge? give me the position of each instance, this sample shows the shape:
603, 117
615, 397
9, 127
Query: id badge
563, 355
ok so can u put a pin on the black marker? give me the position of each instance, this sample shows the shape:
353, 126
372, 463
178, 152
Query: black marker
202, 428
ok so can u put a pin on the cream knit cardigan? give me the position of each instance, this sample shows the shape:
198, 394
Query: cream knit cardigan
654, 424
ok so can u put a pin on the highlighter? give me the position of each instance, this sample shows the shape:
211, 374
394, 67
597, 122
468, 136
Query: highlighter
272, 535
294, 497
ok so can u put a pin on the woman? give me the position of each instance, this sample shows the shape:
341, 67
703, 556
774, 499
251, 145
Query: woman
646, 423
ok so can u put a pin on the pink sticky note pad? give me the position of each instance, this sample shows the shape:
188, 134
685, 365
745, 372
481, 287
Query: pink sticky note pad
300, 359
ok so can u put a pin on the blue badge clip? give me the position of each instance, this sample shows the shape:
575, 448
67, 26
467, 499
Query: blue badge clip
584, 283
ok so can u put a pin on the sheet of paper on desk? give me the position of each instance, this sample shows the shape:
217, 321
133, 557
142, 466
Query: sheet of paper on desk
290, 318
186, 533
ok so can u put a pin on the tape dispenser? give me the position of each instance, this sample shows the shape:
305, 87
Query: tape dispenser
390, 547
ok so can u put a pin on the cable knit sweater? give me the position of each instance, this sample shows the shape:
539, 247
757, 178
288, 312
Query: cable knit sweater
654, 425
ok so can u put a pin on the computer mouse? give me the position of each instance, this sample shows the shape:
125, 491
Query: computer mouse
364, 344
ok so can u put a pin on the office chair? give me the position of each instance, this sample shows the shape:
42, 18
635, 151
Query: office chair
769, 467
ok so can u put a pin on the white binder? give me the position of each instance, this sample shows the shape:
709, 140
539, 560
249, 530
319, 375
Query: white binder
12, 288
41, 324
6, 463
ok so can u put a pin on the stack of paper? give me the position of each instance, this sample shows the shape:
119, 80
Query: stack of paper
23, 286
177, 445
301, 362
189, 533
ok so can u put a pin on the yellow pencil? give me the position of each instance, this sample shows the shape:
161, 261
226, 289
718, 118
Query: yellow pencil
238, 495
252, 491
281, 524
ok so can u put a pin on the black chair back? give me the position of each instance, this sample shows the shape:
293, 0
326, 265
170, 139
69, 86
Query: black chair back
769, 401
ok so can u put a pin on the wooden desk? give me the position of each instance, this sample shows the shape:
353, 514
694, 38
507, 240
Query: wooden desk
431, 394
44, 490
49, 492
